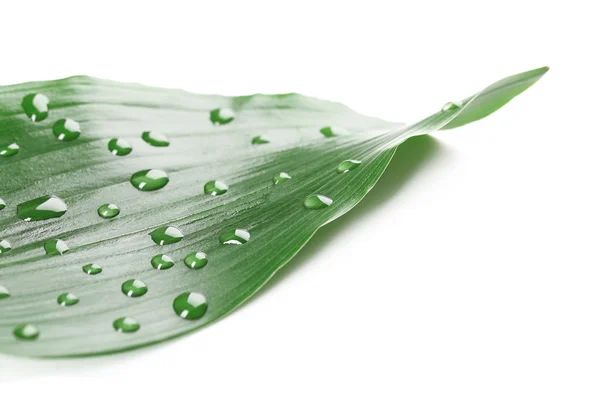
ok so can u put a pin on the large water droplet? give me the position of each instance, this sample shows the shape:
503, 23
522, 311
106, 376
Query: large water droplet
9, 150
451, 106
222, 116
331, 131
67, 299
190, 305
234, 236
119, 147
2, 204
55, 247
215, 188
134, 288
166, 235
42, 208
259, 140
317, 201
4, 293
66, 129
196, 260
149, 179
108, 211
281, 177
348, 165
4, 246
36, 106
162, 261
155, 139
126, 325
92, 269
26, 332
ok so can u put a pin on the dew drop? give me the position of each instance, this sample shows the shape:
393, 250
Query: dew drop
134, 288
126, 325
190, 305
451, 106
42, 208
162, 261
281, 177
26, 332
2, 204
108, 211
166, 235
92, 269
155, 139
259, 140
222, 116
215, 188
348, 165
149, 179
331, 131
317, 201
9, 151
234, 236
66, 129
4, 293
196, 260
55, 247
36, 106
67, 299
4, 246
119, 147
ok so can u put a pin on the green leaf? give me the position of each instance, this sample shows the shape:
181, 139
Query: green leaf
175, 212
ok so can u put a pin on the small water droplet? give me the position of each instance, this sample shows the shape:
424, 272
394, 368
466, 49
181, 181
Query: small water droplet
42, 208
155, 139
108, 211
259, 140
166, 235
281, 177
92, 269
4, 293
149, 179
215, 188
222, 116
36, 106
9, 151
162, 261
4, 246
55, 247
26, 332
119, 147
196, 260
190, 305
2, 204
348, 165
134, 288
450, 106
331, 131
67, 299
234, 236
317, 201
66, 129
126, 325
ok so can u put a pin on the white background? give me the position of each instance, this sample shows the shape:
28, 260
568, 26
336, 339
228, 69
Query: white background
475, 276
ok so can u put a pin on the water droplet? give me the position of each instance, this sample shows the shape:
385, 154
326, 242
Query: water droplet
259, 140
9, 151
215, 188
281, 177
66, 129
196, 260
36, 106
134, 288
4, 246
126, 325
2, 204
317, 201
119, 147
55, 247
108, 211
450, 106
155, 139
26, 332
166, 235
348, 165
331, 131
149, 179
234, 236
162, 261
4, 293
42, 208
222, 116
190, 305
67, 299
92, 269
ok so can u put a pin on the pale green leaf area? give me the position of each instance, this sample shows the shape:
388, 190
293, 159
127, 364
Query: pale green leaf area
237, 186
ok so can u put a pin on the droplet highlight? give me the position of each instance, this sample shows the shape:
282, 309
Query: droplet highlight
166, 235
451, 106
4, 293
149, 180
190, 305
155, 139
2, 204
162, 261
92, 269
317, 201
35, 106
126, 325
67, 299
26, 332
196, 260
215, 188
9, 150
119, 147
347, 166
260, 140
222, 116
234, 236
42, 208
281, 177
108, 211
4, 246
66, 129
331, 131
134, 288
55, 247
